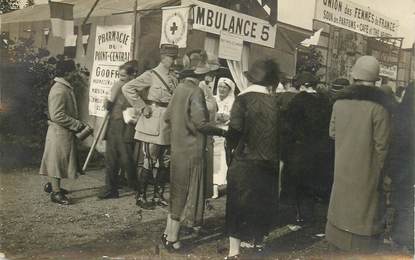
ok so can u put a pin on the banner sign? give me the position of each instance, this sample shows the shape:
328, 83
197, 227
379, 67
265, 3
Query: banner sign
214, 19
112, 49
355, 17
174, 26
230, 46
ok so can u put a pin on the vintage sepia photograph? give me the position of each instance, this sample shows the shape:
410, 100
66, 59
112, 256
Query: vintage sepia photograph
207, 129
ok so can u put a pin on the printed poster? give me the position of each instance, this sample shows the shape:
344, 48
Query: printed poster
112, 49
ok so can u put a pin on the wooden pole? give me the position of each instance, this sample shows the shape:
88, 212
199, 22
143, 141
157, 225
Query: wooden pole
90, 12
135, 28
94, 144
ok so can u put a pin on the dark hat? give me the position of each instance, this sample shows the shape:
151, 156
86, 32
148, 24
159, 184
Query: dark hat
264, 72
65, 66
169, 50
339, 84
195, 64
305, 78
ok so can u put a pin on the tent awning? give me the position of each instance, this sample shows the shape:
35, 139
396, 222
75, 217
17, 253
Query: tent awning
41, 12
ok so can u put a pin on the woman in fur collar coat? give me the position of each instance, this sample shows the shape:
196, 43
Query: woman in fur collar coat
360, 126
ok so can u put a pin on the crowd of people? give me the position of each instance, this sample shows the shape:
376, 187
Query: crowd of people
344, 143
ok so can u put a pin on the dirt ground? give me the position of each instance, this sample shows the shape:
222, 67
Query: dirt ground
31, 227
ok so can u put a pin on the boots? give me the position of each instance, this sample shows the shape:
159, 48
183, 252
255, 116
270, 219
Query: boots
141, 196
159, 187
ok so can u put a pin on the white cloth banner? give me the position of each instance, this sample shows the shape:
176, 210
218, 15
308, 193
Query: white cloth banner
313, 40
237, 68
112, 49
355, 17
230, 46
61, 28
70, 40
215, 19
85, 39
174, 25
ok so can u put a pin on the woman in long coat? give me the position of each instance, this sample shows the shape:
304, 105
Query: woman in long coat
188, 117
60, 157
400, 167
360, 126
253, 173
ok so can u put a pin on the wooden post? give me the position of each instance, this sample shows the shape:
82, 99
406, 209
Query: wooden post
90, 12
96, 140
134, 29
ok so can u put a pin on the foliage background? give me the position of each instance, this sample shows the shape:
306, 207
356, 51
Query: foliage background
26, 77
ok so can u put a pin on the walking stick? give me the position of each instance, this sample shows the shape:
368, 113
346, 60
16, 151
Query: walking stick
94, 144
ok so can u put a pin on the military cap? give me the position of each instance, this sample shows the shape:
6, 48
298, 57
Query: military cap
169, 50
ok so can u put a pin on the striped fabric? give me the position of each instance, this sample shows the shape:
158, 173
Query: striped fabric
61, 17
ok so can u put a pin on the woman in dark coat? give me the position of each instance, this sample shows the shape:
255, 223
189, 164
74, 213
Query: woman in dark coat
187, 116
399, 166
253, 173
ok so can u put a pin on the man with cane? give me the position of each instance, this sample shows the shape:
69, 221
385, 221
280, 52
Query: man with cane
119, 136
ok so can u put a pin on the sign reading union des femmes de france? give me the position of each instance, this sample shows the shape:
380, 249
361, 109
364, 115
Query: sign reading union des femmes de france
355, 17
214, 19
112, 49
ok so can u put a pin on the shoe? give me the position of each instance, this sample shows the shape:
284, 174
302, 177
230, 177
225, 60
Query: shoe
60, 198
48, 188
170, 246
163, 239
108, 195
234, 257
160, 202
144, 204
215, 192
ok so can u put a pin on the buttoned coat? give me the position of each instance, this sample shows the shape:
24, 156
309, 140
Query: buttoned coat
60, 157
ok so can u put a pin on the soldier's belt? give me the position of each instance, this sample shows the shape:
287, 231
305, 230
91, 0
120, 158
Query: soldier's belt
159, 104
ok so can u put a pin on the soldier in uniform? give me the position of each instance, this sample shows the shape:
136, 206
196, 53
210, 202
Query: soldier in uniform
149, 94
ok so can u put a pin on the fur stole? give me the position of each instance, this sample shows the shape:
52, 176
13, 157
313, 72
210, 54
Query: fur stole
373, 94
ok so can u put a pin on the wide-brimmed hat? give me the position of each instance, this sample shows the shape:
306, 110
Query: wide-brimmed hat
195, 64
263, 72
169, 50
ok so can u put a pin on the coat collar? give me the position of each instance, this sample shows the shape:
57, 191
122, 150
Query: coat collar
368, 93
191, 80
256, 89
63, 81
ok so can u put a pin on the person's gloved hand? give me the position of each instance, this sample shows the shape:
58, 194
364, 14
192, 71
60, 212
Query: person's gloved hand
108, 105
147, 111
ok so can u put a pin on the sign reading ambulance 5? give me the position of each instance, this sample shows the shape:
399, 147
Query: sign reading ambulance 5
214, 19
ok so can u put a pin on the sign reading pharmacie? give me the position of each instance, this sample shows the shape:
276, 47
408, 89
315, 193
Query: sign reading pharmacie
355, 17
215, 19
112, 49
